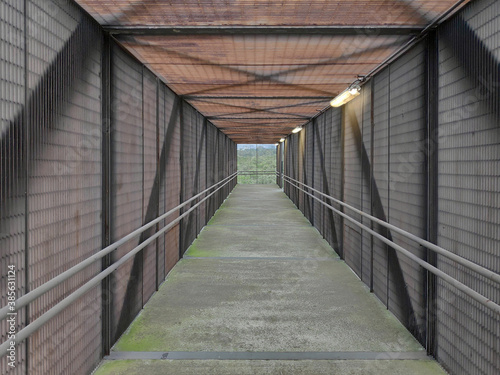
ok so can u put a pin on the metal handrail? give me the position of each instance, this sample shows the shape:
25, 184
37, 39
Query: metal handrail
489, 274
256, 172
457, 284
42, 289
56, 309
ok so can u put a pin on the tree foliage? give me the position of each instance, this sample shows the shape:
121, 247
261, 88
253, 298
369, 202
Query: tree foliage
259, 158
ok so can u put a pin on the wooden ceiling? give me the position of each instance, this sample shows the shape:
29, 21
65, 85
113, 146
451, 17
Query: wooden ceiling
257, 69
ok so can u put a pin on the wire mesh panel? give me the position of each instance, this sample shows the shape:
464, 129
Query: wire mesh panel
293, 150
52, 168
278, 165
162, 171
62, 136
233, 160
127, 185
211, 165
380, 192
225, 165
227, 161
328, 229
318, 175
170, 155
468, 188
230, 160
366, 175
216, 199
333, 167
353, 182
220, 165
12, 167
189, 142
286, 164
385, 134
407, 178
301, 156
64, 186
309, 170
297, 167
201, 168
325, 123
150, 190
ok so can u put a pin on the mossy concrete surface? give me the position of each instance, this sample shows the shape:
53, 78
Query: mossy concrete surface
212, 367
263, 216
260, 241
260, 278
265, 305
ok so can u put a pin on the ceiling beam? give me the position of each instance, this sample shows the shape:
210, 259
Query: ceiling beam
374, 30
250, 97
278, 117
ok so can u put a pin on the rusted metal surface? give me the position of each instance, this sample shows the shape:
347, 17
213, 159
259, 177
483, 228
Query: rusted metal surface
213, 52
264, 12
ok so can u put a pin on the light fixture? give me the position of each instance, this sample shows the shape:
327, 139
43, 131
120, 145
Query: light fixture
276, 144
297, 129
282, 140
347, 95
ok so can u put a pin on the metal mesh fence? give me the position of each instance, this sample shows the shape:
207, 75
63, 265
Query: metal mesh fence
90, 145
64, 180
150, 197
211, 165
161, 269
169, 157
352, 182
407, 177
365, 145
188, 160
380, 180
127, 185
318, 173
309, 170
468, 334
13, 163
377, 154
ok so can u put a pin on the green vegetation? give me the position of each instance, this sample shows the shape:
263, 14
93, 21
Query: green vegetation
257, 158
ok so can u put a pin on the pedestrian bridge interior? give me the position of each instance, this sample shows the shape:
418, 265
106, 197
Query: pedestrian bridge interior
128, 245
261, 292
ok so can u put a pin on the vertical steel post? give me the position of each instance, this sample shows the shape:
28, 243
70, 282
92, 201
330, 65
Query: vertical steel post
324, 178
181, 164
106, 113
342, 180
388, 267
161, 171
372, 177
313, 127
165, 179
361, 190
207, 206
431, 165
141, 253
26, 156
277, 162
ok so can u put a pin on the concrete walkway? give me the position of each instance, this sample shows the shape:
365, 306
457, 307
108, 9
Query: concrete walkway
261, 292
